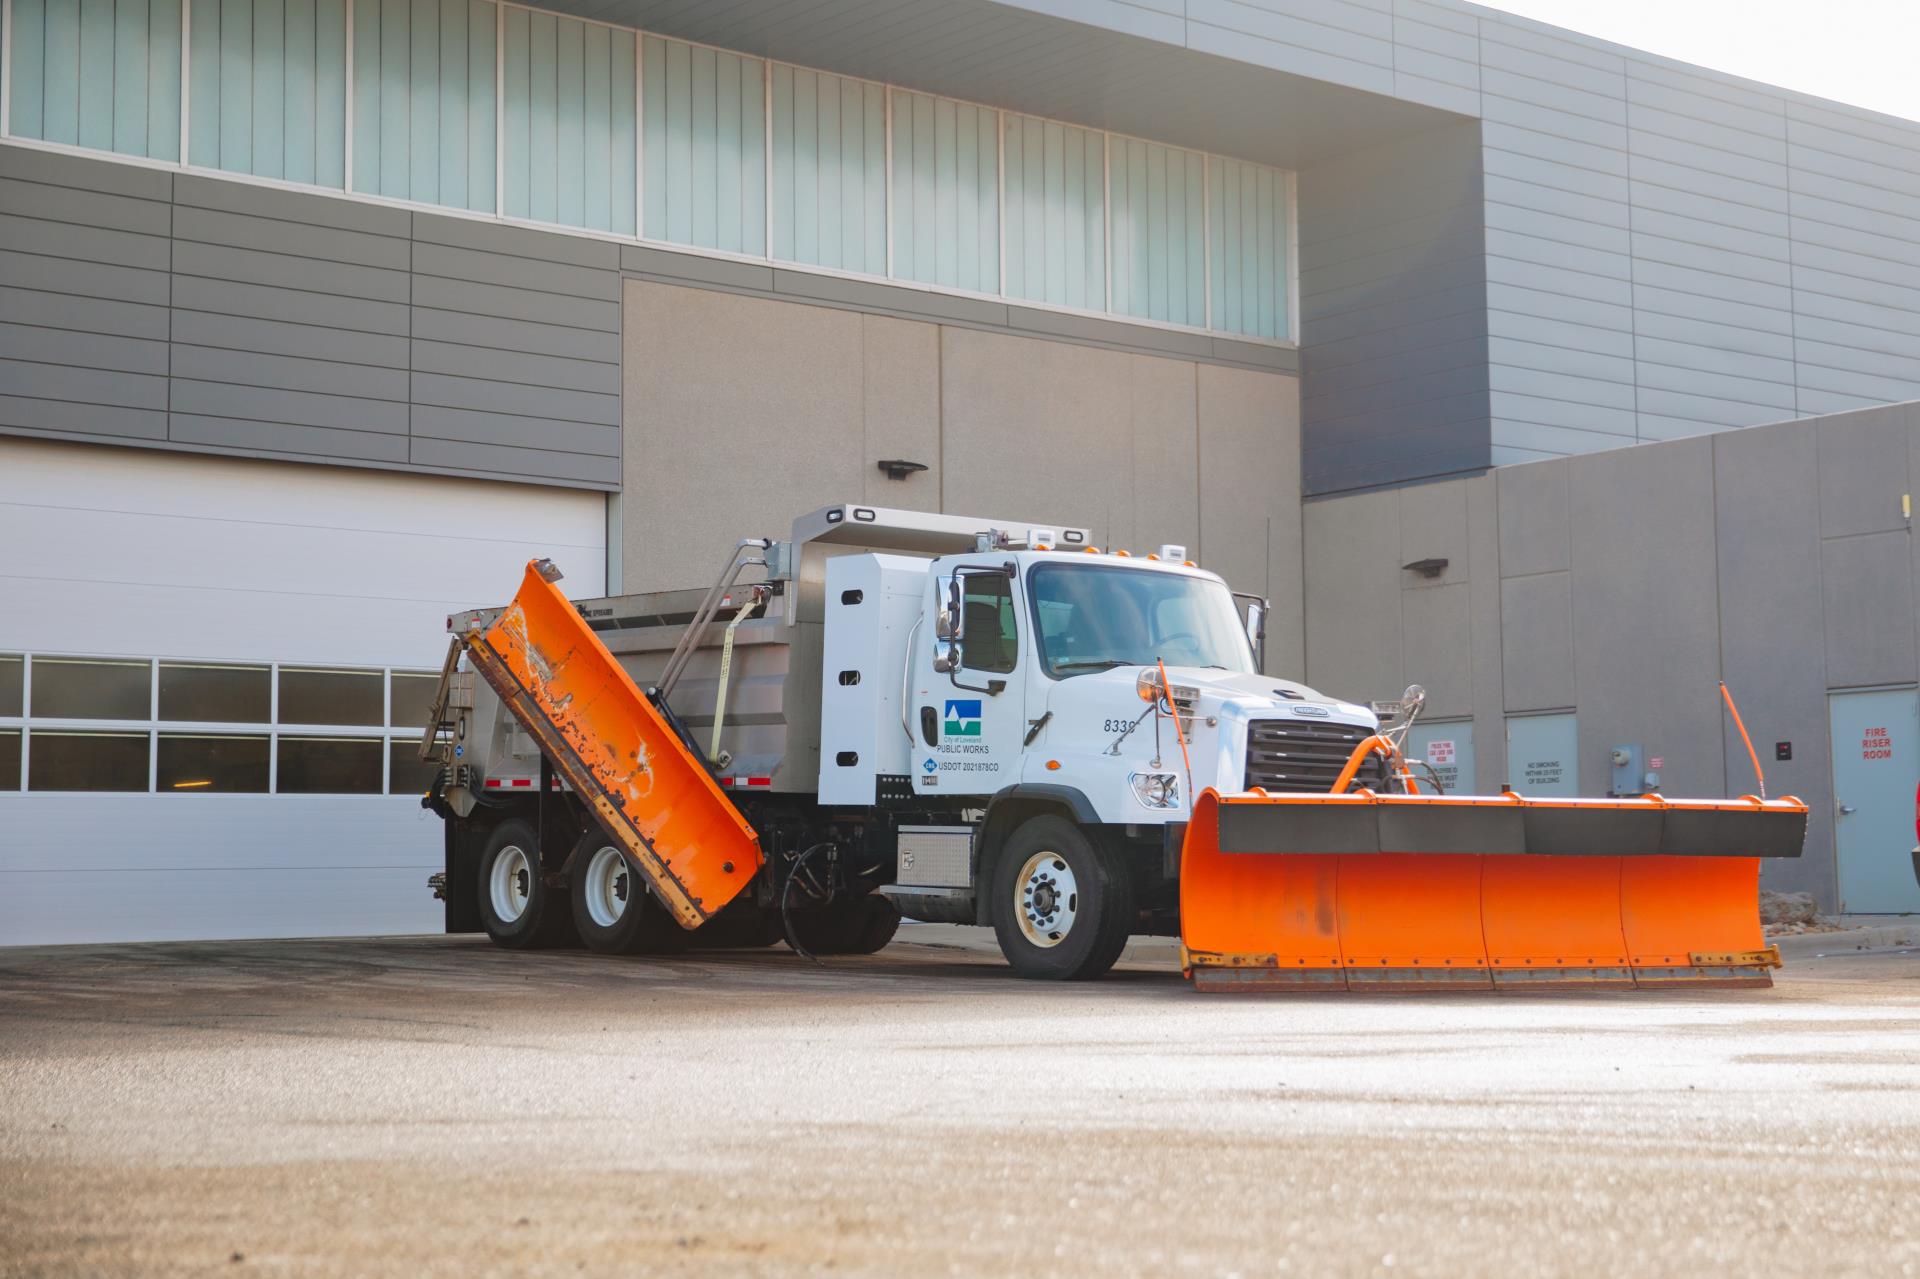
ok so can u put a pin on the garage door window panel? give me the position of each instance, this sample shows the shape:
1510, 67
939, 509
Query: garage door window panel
412, 698
13, 685
91, 688
410, 775
211, 763
330, 766
323, 695
59, 760
215, 693
9, 759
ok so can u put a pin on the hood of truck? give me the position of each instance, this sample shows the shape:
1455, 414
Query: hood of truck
1087, 734
1116, 691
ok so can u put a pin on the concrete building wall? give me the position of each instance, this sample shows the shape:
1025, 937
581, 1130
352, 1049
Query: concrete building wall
744, 412
1624, 586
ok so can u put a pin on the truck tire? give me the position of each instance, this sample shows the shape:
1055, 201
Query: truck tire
862, 926
614, 909
1062, 903
517, 907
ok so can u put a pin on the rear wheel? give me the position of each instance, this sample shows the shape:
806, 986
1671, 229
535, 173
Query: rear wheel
518, 909
1062, 903
614, 909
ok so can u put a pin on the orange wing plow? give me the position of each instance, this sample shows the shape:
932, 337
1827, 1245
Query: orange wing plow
1413, 892
650, 792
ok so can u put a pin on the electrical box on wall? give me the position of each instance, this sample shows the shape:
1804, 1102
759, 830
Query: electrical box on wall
1627, 771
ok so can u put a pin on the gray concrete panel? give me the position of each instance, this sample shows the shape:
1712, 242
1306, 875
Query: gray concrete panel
1861, 461
1168, 451
760, 441
1536, 641
1354, 623
1645, 610
1767, 533
1437, 646
1034, 427
1433, 525
1488, 683
1249, 518
900, 410
1867, 582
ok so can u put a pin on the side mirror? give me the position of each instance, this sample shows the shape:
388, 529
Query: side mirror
947, 623
1257, 625
946, 656
1413, 699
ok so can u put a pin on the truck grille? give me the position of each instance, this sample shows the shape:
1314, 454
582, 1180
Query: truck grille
1300, 756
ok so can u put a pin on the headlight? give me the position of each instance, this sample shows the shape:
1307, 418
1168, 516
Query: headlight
1156, 790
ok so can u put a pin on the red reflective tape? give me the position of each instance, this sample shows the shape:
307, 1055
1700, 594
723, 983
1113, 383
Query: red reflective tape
522, 781
759, 781
493, 783
726, 781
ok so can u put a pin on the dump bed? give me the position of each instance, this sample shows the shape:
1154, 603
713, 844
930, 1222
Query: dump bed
770, 733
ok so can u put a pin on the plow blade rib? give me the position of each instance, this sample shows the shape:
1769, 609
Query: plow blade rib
1405, 892
650, 793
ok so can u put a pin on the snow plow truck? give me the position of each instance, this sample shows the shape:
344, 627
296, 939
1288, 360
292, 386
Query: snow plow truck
896, 713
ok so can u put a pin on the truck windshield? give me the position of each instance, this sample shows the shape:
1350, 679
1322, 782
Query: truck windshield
1095, 617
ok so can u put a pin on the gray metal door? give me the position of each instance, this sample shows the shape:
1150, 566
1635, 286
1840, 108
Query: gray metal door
1543, 754
1447, 747
1876, 763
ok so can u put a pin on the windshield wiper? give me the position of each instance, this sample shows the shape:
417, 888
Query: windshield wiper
1092, 664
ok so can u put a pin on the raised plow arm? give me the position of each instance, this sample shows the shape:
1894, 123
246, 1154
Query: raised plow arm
1369, 891
648, 791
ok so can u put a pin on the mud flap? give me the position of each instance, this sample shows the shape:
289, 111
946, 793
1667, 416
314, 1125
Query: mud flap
1393, 892
650, 793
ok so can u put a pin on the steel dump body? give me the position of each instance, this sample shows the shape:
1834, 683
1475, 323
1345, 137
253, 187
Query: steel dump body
770, 732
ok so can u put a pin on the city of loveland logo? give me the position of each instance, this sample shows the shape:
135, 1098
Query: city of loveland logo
962, 718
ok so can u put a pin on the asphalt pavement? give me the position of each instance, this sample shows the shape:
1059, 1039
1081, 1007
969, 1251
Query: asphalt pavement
425, 1106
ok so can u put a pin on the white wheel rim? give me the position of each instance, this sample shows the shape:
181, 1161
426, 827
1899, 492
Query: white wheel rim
511, 884
608, 886
1046, 898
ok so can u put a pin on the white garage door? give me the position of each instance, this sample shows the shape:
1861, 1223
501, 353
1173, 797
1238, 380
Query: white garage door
211, 673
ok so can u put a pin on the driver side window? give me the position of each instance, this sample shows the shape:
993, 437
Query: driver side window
991, 642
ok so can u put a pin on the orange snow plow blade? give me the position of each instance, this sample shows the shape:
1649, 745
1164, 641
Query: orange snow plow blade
1414, 892
650, 792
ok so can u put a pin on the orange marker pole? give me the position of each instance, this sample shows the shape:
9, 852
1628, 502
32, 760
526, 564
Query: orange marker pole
1751, 753
1167, 688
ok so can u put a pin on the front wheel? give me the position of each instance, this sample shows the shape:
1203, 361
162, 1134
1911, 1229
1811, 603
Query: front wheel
1062, 903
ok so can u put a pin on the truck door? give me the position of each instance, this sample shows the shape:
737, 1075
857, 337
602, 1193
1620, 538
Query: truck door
971, 718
